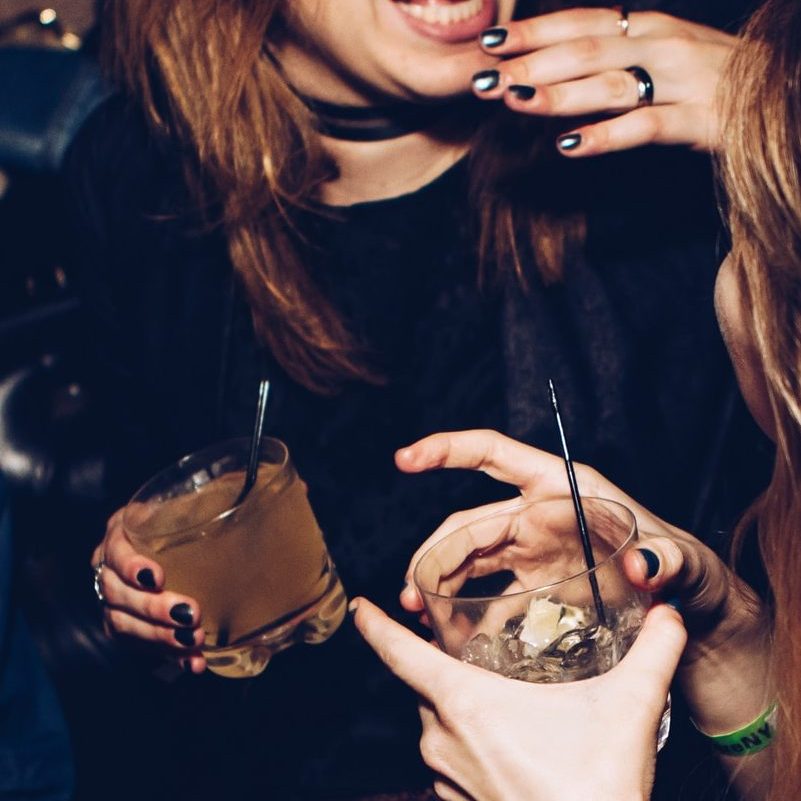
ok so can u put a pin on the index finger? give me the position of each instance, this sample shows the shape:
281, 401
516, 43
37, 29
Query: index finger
426, 669
545, 30
498, 456
560, 26
120, 556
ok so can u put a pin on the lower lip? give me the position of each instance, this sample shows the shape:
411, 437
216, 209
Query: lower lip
462, 31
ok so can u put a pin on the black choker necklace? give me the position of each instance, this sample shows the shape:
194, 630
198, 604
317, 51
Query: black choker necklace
373, 123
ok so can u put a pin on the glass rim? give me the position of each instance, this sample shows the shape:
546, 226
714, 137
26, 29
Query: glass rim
587, 571
225, 513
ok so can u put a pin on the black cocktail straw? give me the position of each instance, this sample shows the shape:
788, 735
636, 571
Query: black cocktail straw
255, 442
582, 521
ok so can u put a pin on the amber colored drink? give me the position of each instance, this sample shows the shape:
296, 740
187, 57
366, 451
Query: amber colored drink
260, 571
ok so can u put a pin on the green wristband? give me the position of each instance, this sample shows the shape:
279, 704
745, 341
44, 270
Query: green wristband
758, 734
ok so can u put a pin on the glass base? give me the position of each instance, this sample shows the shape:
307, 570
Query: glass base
315, 624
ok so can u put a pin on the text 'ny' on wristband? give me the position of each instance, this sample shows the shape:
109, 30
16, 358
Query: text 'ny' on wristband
753, 737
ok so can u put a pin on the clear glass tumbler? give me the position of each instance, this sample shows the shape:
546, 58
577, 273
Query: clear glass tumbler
511, 592
260, 570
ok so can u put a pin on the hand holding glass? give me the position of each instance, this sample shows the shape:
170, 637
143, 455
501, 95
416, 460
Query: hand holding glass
511, 592
260, 570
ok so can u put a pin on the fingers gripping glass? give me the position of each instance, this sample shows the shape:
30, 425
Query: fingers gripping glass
259, 568
511, 592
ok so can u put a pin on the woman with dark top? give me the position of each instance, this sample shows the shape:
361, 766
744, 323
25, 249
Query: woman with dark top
738, 653
301, 190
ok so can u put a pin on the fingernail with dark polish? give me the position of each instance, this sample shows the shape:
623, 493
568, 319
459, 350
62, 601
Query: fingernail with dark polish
146, 578
493, 37
185, 636
569, 141
522, 92
675, 603
353, 606
486, 80
651, 562
182, 613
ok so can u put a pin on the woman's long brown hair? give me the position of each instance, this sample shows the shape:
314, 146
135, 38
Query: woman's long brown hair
201, 72
760, 168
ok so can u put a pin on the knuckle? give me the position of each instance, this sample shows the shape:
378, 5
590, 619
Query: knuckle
675, 50
618, 87
456, 709
444, 791
600, 141
590, 476
519, 71
587, 49
673, 555
650, 124
114, 552
657, 20
530, 31
150, 607
490, 453
551, 99
454, 521
432, 751
117, 621
167, 636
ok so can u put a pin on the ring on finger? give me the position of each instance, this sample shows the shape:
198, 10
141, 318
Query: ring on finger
97, 572
645, 86
622, 19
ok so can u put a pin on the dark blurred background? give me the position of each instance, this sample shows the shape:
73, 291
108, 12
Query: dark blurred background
50, 423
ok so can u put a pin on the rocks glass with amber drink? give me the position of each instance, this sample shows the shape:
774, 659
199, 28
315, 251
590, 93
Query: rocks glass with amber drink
260, 569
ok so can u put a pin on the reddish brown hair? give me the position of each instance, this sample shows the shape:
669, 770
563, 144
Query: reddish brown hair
760, 170
200, 70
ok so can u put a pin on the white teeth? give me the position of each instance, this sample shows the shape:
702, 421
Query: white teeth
444, 14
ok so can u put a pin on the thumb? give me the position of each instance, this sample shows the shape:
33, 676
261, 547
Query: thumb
656, 651
681, 567
419, 664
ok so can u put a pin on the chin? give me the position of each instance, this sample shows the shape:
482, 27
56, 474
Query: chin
451, 78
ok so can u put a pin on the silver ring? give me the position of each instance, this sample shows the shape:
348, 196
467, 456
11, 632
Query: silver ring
645, 86
97, 571
622, 19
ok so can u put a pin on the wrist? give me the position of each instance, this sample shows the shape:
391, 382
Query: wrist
726, 673
751, 738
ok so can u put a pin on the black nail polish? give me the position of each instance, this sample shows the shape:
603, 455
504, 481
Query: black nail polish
146, 578
569, 141
675, 603
522, 92
185, 636
651, 562
493, 37
486, 80
182, 613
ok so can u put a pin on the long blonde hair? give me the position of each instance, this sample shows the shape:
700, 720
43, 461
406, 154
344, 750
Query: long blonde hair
201, 72
760, 166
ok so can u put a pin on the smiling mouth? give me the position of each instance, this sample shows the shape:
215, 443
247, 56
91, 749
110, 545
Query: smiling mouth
442, 14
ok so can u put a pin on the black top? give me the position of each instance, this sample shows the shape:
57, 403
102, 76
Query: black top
629, 338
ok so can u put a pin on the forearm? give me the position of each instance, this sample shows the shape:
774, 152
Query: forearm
727, 683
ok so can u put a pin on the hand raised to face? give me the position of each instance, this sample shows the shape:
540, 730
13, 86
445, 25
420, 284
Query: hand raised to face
596, 61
